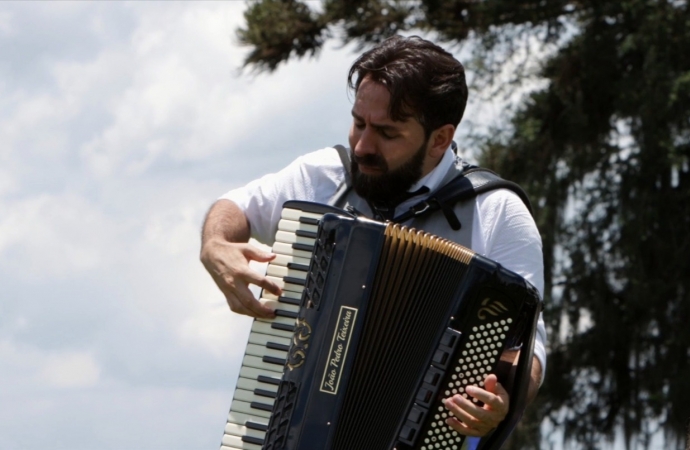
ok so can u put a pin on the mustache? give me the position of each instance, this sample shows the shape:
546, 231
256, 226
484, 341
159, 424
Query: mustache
371, 160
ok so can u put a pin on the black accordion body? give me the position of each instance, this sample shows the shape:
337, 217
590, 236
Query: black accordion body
390, 321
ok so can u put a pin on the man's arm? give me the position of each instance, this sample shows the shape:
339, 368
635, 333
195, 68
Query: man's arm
535, 380
226, 255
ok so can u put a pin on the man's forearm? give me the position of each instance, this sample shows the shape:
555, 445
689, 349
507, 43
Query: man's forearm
534, 381
225, 220
511, 357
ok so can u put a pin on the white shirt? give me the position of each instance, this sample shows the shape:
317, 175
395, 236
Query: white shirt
503, 230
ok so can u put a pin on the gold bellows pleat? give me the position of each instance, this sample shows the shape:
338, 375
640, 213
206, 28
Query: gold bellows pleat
416, 279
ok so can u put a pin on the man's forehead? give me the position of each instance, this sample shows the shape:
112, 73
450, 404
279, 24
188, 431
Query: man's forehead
377, 112
372, 101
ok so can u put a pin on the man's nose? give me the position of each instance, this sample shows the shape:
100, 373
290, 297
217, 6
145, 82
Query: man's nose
365, 144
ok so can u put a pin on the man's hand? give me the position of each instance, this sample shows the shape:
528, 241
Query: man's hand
228, 264
471, 419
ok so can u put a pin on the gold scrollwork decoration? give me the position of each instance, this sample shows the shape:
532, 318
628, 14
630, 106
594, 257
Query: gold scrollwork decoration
493, 308
300, 356
300, 342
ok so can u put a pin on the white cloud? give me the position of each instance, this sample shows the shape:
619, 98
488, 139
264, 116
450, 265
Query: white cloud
70, 370
6, 27
120, 123
53, 236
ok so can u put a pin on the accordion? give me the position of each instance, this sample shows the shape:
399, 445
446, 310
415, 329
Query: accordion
377, 324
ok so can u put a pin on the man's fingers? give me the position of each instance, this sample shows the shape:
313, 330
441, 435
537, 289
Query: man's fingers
463, 421
496, 401
460, 408
253, 253
470, 411
471, 419
228, 264
252, 277
242, 301
462, 428
494, 394
490, 382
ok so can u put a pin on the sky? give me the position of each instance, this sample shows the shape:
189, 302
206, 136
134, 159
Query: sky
120, 124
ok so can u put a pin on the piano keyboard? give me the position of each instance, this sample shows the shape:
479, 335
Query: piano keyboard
269, 339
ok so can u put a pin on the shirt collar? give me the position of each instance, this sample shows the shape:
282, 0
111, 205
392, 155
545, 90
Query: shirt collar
433, 179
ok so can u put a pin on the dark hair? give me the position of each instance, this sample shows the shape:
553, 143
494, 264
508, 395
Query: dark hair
424, 81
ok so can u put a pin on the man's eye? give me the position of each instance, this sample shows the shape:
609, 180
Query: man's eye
387, 135
359, 125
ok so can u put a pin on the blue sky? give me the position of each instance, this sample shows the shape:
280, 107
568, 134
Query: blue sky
120, 123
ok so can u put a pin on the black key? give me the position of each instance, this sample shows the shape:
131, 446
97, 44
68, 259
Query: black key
296, 266
303, 247
283, 313
264, 393
283, 327
273, 360
293, 280
289, 300
253, 440
275, 346
256, 426
309, 220
306, 234
261, 406
269, 380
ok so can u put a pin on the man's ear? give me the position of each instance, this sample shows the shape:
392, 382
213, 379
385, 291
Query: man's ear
440, 140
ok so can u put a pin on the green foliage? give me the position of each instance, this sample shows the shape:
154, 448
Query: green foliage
277, 29
604, 151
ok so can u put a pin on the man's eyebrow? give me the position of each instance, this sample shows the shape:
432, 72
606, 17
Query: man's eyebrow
378, 126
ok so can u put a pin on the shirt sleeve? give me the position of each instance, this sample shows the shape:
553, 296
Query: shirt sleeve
506, 233
313, 177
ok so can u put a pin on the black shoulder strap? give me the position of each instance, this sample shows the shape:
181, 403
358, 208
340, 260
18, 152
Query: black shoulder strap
344, 154
470, 183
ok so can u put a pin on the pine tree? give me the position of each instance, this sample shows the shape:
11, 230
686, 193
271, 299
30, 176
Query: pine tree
603, 150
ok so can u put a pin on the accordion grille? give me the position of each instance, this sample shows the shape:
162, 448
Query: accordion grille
416, 279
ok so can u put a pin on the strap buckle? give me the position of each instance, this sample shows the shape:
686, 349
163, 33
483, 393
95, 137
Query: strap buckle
420, 208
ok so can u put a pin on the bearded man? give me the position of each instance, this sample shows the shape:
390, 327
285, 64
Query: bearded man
410, 96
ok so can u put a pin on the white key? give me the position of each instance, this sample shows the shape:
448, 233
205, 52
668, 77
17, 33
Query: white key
253, 374
268, 296
226, 447
293, 226
261, 350
284, 260
249, 396
263, 339
295, 214
281, 271
283, 320
234, 429
242, 419
282, 248
246, 408
265, 328
275, 304
250, 385
292, 238
235, 442
258, 363
286, 286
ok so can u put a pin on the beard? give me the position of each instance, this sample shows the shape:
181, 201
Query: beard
390, 186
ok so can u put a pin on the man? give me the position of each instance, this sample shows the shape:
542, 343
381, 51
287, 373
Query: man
410, 97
